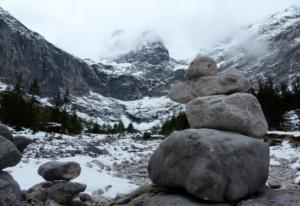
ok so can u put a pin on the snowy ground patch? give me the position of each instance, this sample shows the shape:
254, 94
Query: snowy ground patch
104, 159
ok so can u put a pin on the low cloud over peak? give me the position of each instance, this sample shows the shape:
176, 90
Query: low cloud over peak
85, 28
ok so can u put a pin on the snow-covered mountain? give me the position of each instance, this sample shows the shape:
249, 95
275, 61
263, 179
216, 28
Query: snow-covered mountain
268, 48
133, 86
146, 70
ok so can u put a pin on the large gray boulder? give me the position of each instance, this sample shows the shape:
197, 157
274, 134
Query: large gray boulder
4, 132
227, 82
201, 66
10, 193
62, 192
210, 164
275, 198
9, 154
240, 112
55, 170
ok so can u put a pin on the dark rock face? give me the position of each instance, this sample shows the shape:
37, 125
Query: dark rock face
29, 54
275, 198
55, 170
210, 164
62, 192
10, 193
9, 154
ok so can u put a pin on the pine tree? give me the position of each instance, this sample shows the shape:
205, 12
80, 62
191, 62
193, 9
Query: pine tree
130, 128
66, 98
34, 88
272, 104
19, 85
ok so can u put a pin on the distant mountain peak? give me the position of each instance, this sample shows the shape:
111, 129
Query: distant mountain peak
150, 49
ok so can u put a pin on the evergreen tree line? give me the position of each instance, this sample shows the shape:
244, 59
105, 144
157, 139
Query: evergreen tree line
276, 100
19, 107
117, 128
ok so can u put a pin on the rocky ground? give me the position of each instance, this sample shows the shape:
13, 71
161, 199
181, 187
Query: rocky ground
117, 164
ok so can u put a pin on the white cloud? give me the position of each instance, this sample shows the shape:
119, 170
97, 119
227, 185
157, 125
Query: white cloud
84, 27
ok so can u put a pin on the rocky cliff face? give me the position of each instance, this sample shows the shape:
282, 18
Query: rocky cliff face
270, 48
26, 53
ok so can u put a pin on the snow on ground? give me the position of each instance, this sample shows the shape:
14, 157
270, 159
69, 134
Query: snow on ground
117, 164
293, 133
286, 154
144, 113
100, 157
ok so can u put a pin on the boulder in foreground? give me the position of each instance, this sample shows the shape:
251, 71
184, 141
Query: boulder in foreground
210, 164
10, 193
9, 154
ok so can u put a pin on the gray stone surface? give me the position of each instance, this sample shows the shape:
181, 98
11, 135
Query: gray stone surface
21, 142
9, 154
62, 192
201, 66
210, 164
150, 195
55, 170
240, 112
10, 193
227, 82
275, 198
170, 200
4, 132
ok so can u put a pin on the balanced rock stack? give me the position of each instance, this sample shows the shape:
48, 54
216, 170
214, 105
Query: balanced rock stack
57, 190
10, 155
219, 159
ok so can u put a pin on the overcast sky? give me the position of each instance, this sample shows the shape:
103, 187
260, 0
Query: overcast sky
84, 27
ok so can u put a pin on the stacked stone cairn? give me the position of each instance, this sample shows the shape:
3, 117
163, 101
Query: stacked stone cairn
219, 159
57, 190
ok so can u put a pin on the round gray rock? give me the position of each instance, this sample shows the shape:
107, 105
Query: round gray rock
228, 82
201, 66
10, 193
4, 131
210, 164
9, 154
55, 170
21, 142
240, 112
62, 192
